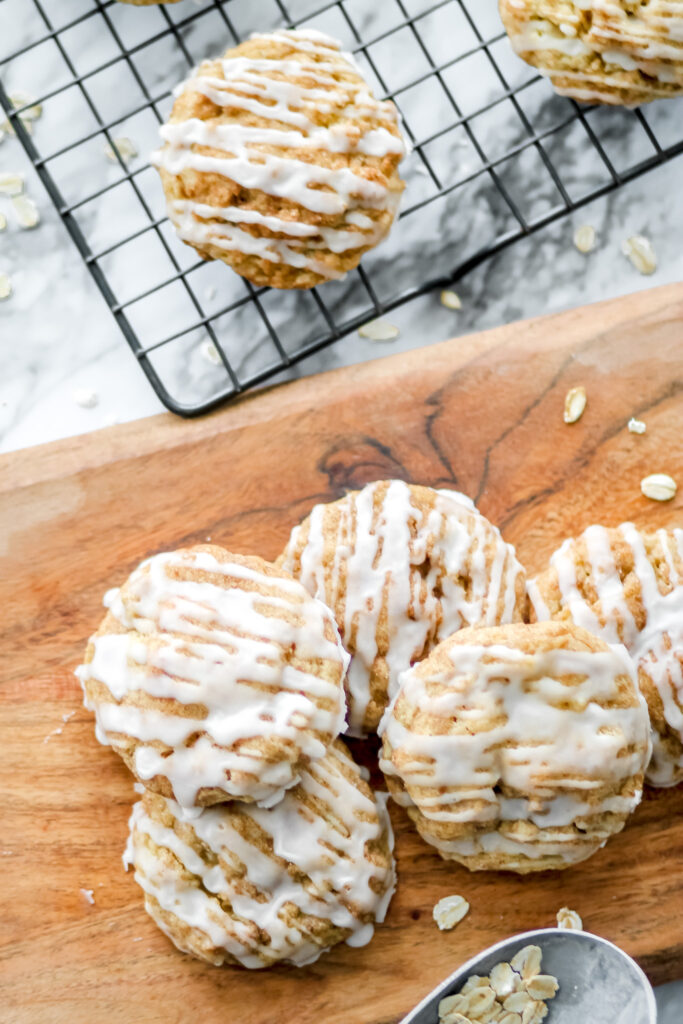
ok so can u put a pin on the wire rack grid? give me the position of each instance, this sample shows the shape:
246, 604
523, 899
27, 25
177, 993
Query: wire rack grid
495, 156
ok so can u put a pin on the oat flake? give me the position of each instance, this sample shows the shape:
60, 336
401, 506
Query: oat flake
125, 148
11, 184
584, 238
26, 212
378, 330
639, 251
659, 487
451, 300
5, 286
569, 919
86, 398
210, 353
636, 426
574, 404
450, 911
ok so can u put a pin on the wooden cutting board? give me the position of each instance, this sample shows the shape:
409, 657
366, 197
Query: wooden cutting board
483, 414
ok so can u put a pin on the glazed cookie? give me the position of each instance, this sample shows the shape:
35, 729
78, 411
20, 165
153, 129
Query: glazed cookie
626, 586
215, 676
518, 748
278, 160
402, 567
601, 51
253, 886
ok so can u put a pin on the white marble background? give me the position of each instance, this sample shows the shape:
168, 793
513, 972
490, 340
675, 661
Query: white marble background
58, 339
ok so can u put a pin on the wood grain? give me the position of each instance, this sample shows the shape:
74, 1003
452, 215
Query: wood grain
483, 414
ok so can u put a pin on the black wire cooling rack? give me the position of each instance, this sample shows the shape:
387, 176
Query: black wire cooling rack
496, 155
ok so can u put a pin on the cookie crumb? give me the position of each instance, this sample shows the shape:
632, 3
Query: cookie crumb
86, 398
450, 911
88, 895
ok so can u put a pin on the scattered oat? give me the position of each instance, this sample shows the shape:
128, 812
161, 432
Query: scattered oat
22, 99
569, 919
11, 184
574, 404
378, 330
86, 398
504, 981
210, 293
55, 732
5, 286
659, 487
453, 1004
639, 250
88, 895
138, 938
543, 986
3, 222
527, 962
636, 426
450, 911
68, 716
122, 147
451, 300
534, 1013
517, 1002
210, 353
26, 211
474, 981
584, 238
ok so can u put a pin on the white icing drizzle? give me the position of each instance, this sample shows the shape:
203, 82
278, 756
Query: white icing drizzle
220, 647
503, 721
648, 40
325, 842
375, 580
657, 649
315, 78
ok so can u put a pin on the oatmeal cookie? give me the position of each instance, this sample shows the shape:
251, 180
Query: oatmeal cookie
240, 884
601, 51
518, 747
215, 676
626, 585
402, 567
278, 160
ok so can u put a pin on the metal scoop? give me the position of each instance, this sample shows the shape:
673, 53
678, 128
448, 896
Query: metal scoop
599, 983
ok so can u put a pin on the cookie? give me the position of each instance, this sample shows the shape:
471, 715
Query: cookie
240, 884
278, 160
518, 748
402, 567
601, 51
215, 677
626, 585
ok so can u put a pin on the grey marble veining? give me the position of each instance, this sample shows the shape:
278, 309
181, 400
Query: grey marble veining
57, 336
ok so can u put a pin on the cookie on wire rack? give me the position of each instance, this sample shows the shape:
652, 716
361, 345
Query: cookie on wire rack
215, 677
601, 51
402, 567
278, 160
626, 585
254, 886
518, 748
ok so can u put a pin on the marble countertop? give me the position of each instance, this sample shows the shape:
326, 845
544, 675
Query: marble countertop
60, 347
